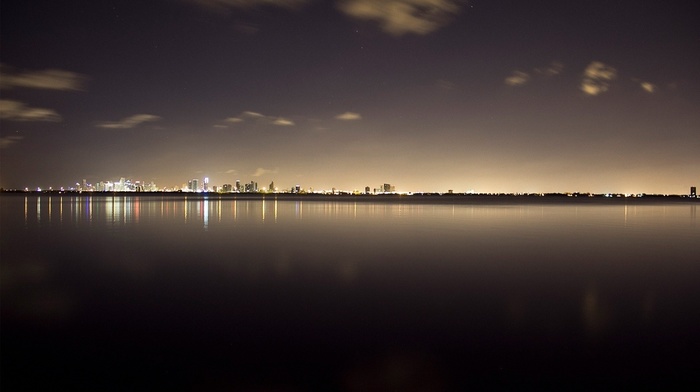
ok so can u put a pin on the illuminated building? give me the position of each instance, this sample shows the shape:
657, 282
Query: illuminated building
206, 184
238, 185
194, 185
272, 187
693, 192
366, 190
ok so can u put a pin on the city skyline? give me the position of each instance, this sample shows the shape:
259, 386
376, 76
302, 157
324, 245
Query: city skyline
206, 186
494, 96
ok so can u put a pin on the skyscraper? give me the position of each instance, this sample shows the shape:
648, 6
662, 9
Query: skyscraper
693, 192
195, 185
238, 185
206, 184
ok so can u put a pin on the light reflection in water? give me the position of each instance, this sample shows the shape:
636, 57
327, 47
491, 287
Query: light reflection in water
120, 210
548, 273
205, 204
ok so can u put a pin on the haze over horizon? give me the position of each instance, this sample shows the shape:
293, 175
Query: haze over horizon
429, 95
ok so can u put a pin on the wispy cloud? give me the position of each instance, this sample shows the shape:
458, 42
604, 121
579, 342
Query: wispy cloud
399, 17
18, 111
647, 86
129, 122
262, 171
231, 171
349, 116
517, 78
553, 69
282, 121
520, 78
445, 85
7, 141
256, 117
49, 79
597, 78
252, 114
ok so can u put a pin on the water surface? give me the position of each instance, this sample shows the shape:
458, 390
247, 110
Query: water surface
220, 293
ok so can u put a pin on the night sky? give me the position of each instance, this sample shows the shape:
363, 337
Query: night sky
430, 95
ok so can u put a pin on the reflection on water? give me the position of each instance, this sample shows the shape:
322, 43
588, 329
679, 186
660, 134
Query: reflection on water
131, 209
222, 293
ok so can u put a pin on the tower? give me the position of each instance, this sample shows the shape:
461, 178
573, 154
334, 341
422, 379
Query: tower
693, 192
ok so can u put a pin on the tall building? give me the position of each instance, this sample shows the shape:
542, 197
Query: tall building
693, 192
194, 185
366, 190
238, 185
206, 184
272, 187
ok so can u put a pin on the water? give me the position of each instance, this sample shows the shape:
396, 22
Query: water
124, 292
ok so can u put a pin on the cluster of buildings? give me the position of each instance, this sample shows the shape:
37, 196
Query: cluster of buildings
123, 185
194, 185
203, 186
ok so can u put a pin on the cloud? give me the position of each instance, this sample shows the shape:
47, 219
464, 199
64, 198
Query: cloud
518, 78
553, 69
349, 116
7, 141
231, 171
18, 111
648, 87
258, 117
597, 78
49, 79
399, 17
282, 121
129, 122
261, 172
252, 114
445, 85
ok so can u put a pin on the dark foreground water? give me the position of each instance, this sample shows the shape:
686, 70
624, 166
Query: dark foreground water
135, 292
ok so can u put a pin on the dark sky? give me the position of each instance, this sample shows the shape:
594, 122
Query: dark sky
429, 95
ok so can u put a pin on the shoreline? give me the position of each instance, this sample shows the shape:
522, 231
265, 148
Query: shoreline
424, 198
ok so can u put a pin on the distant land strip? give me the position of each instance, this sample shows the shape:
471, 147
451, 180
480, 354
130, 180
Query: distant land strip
414, 198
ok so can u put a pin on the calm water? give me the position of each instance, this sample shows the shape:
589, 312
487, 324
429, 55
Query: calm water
209, 294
